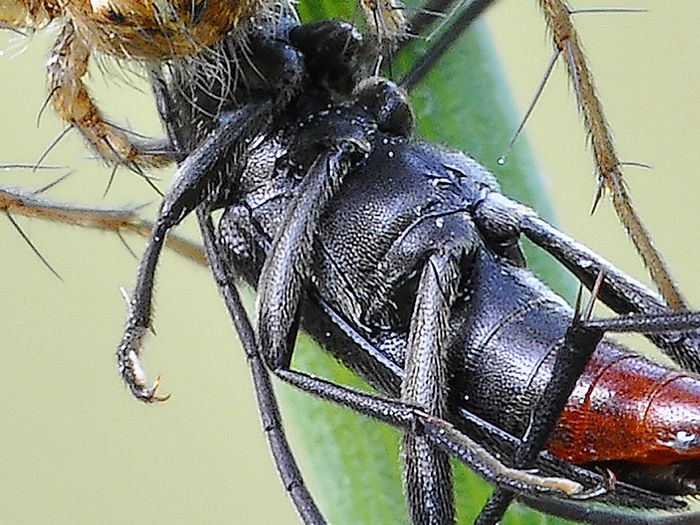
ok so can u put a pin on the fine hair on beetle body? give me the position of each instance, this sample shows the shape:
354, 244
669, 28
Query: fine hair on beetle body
338, 218
160, 330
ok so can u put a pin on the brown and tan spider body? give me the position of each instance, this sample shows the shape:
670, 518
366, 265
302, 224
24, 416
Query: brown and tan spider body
131, 30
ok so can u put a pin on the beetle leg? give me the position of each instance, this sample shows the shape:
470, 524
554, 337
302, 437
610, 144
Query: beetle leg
452, 440
619, 291
279, 293
649, 323
427, 472
599, 515
571, 360
267, 403
287, 264
408, 418
198, 180
428, 59
65, 69
445, 237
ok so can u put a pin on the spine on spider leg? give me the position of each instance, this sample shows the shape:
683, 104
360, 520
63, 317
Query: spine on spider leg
566, 40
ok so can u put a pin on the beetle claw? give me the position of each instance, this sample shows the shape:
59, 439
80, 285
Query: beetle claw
153, 397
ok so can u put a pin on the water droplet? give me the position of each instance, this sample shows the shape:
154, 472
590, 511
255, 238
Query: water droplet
684, 435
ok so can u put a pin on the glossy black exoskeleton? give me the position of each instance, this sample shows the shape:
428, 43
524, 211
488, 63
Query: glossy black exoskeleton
400, 257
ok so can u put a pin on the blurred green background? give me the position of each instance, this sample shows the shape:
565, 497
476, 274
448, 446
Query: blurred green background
76, 448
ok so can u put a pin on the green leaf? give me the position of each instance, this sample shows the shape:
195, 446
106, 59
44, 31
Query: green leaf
352, 463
